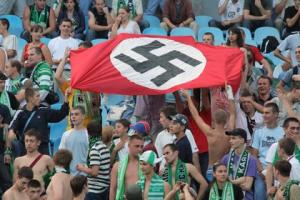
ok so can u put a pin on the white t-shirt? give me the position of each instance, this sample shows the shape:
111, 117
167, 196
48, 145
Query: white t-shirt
58, 45
10, 42
132, 27
233, 10
122, 153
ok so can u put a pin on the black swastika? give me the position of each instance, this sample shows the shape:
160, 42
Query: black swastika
154, 61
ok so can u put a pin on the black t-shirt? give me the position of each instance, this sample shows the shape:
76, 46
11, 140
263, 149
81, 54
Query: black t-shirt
5, 118
290, 12
237, 192
100, 20
185, 150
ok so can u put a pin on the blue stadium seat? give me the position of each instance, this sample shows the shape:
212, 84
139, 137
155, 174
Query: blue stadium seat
86, 20
98, 41
152, 20
15, 22
202, 20
182, 31
155, 31
45, 40
218, 34
263, 32
276, 61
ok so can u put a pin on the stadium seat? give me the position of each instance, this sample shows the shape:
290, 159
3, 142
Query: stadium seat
182, 31
262, 32
98, 41
152, 20
202, 20
155, 31
218, 34
276, 61
15, 22
45, 40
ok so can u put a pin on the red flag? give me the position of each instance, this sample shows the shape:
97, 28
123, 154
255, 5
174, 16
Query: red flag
134, 64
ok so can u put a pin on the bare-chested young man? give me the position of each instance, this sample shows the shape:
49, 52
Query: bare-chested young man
127, 171
59, 187
40, 164
17, 191
218, 141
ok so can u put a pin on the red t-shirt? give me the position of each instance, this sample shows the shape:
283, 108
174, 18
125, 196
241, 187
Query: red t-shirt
256, 53
199, 136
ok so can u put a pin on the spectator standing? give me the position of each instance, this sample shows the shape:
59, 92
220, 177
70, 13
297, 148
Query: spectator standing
100, 20
79, 187
231, 12
9, 41
34, 190
41, 14
257, 13
178, 13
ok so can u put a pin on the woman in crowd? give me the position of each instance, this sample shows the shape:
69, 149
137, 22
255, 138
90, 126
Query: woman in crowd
221, 188
235, 38
36, 32
70, 9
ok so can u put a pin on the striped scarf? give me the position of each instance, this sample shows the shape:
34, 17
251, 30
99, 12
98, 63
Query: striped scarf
227, 193
156, 189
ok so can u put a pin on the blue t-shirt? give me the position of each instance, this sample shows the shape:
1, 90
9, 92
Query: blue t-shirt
250, 171
185, 150
262, 140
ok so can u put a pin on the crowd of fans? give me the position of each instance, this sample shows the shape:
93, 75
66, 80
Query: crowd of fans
208, 143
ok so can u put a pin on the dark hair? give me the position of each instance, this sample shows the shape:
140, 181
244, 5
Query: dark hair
237, 31
287, 121
272, 105
126, 8
135, 137
36, 28
284, 167
77, 183
38, 51
29, 92
76, 7
124, 122
172, 146
245, 93
86, 44
25, 172
5, 22
94, 128
168, 111
34, 184
66, 20
17, 64
63, 158
217, 165
209, 33
265, 77
33, 133
80, 108
287, 145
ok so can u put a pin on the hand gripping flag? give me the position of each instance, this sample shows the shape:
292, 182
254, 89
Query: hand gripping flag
134, 64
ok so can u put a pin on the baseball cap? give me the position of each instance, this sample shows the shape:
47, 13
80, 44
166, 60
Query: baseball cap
141, 127
150, 158
238, 132
134, 192
179, 118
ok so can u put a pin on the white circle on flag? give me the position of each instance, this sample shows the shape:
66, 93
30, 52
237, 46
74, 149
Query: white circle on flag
145, 79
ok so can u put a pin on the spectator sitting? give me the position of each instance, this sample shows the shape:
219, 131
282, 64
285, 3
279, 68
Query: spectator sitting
70, 10
178, 13
79, 187
41, 14
153, 5
100, 20
208, 38
135, 9
235, 38
123, 23
9, 40
278, 12
292, 19
36, 32
257, 14
231, 12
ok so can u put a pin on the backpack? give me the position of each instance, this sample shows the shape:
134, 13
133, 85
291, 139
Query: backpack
269, 44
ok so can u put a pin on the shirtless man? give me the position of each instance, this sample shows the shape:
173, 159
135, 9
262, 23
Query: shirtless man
215, 135
181, 172
126, 172
59, 187
40, 164
34, 190
17, 191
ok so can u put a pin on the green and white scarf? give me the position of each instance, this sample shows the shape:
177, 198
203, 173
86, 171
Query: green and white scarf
296, 153
156, 189
181, 174
4, 99
130, 5
241, 166
287, 188
121, 177
227, 193
40, 18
